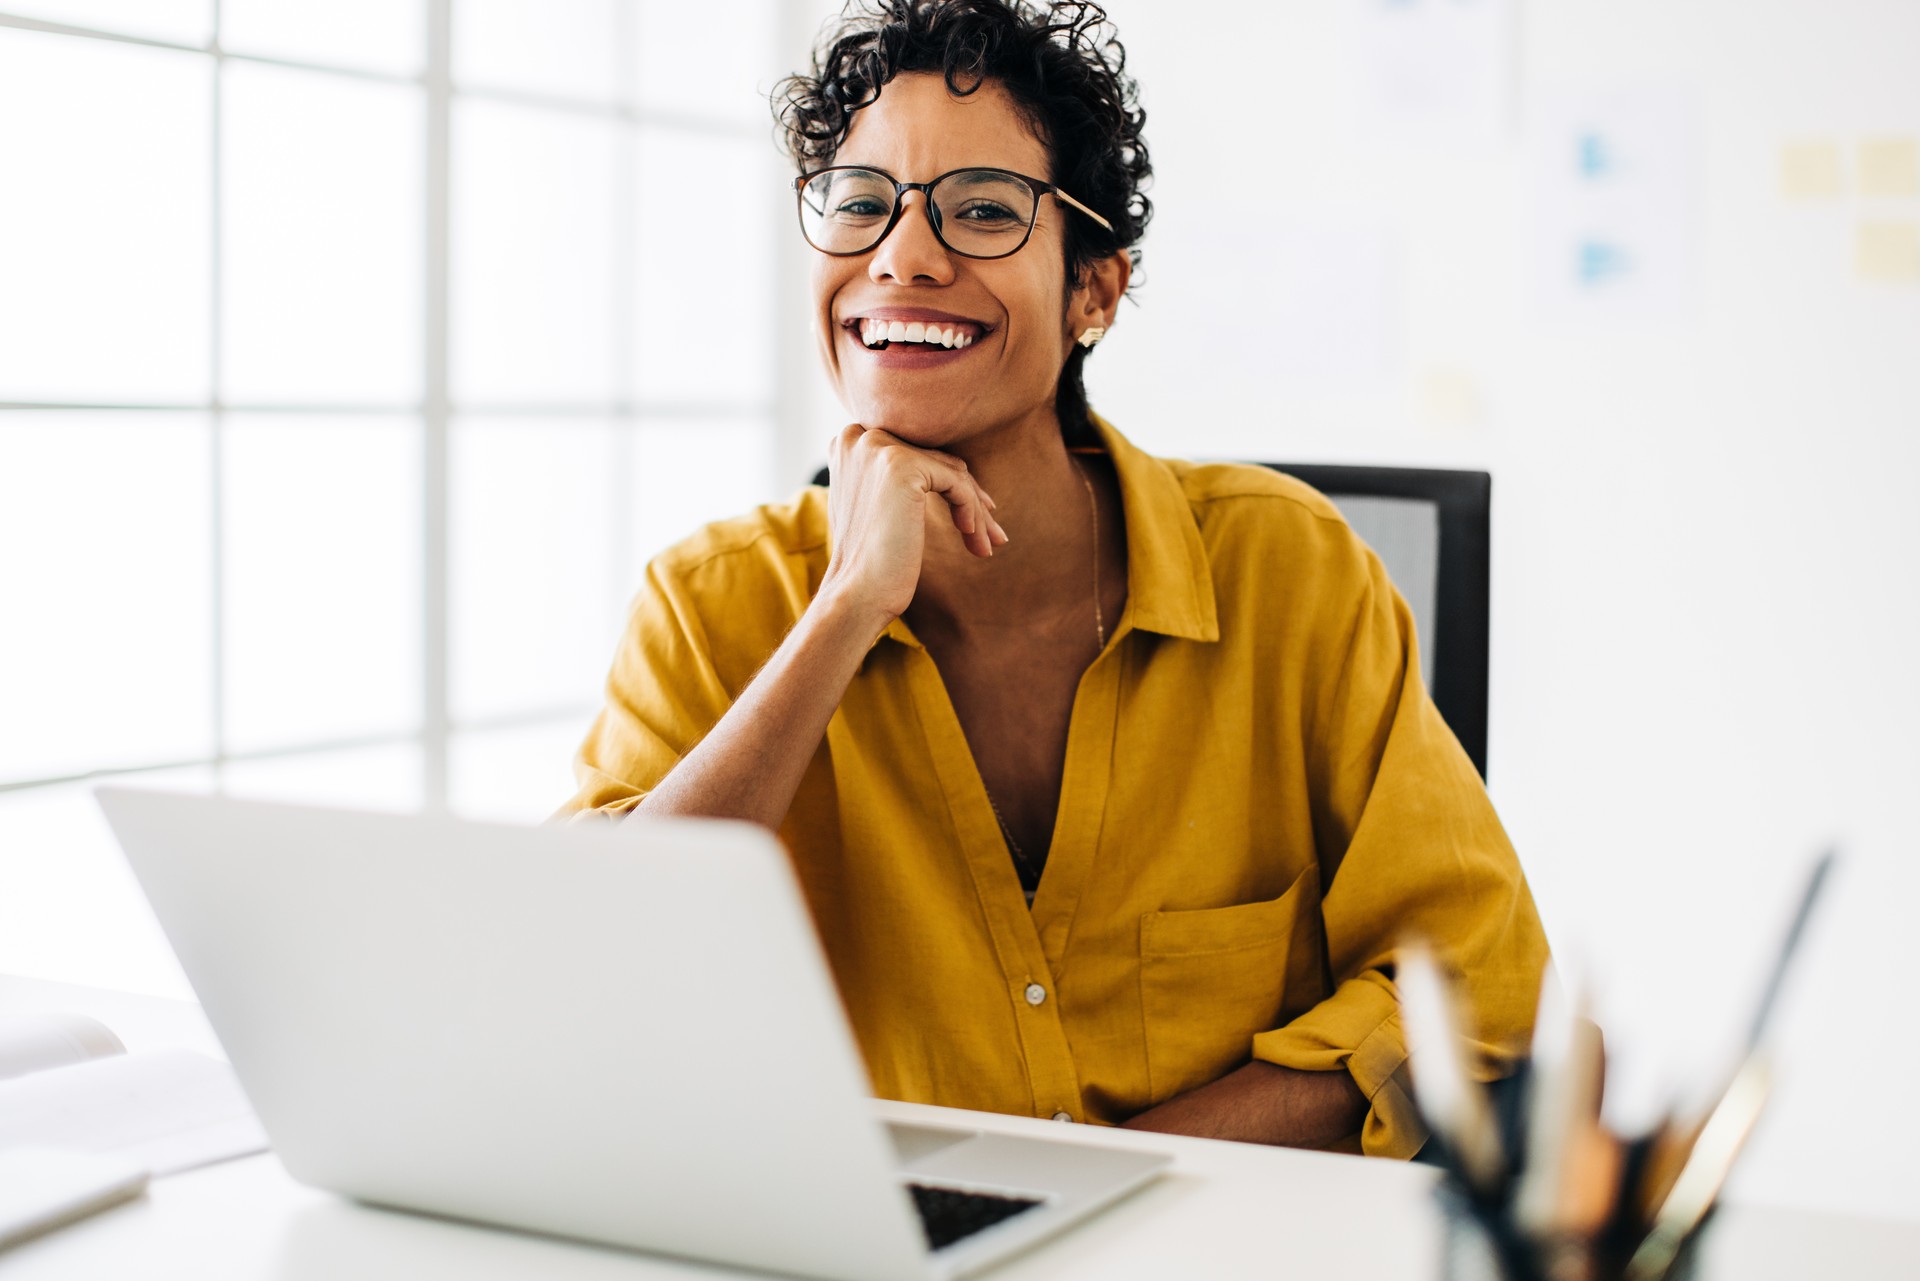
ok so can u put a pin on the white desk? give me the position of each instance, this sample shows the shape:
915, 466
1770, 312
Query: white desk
1227, 1210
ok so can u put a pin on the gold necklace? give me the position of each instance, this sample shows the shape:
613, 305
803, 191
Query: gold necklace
1013, 846
1093, 505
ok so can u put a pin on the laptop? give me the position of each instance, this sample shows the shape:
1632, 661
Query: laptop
622, 1033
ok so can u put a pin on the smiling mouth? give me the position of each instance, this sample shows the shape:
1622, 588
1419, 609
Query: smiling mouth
878, 335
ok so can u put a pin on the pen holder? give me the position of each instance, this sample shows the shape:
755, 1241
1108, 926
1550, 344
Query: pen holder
1480, 1242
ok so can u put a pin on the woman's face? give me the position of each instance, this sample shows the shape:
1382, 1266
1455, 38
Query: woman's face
1016, 308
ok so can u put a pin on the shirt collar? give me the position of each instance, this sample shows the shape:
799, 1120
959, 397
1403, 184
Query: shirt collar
1169, 580
897, 630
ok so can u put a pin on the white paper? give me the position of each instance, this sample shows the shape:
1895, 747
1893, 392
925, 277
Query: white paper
1430, 67
168, 1111
37, 1042
42, 1189
1612, 178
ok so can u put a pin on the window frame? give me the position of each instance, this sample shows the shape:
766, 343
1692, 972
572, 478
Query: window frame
436, 410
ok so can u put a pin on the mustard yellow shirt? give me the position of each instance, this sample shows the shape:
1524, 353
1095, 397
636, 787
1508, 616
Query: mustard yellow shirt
1259, 802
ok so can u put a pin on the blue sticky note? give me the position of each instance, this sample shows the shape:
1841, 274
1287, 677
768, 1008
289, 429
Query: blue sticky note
1598, 262
1594, 158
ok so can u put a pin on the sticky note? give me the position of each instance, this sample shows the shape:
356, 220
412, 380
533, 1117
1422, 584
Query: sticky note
1888, 251
1599, 262
1449, 398
1810, 169
1594, 156
1890, 167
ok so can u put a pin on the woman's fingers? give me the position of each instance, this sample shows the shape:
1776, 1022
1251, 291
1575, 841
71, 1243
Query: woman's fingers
856, 452
970, 505
989, 524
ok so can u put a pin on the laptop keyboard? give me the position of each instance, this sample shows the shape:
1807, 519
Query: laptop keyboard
949, 1215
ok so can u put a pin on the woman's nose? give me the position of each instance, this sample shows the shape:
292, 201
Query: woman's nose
911, 253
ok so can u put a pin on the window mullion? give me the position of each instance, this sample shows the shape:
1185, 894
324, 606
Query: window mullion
216, 418
434, 513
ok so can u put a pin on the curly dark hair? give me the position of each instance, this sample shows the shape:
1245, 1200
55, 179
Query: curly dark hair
1062, 64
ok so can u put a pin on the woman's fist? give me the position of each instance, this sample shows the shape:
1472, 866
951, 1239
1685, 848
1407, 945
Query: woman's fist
877, 509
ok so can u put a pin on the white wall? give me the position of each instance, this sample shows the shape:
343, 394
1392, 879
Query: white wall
1705, 535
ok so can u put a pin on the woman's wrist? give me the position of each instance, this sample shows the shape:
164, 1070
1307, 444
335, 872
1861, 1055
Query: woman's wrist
844, 613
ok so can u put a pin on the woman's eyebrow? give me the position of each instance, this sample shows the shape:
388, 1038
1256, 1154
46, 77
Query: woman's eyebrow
981, 174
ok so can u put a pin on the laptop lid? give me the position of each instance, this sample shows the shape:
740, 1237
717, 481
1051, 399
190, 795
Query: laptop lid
626, 1033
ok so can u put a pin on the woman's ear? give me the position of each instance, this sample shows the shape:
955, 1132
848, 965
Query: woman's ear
1097, 300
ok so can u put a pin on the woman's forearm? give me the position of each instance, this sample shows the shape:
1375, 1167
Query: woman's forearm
1261, 1103
749, 766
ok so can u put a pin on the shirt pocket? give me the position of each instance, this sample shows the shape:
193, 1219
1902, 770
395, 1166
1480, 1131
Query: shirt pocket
1211, 979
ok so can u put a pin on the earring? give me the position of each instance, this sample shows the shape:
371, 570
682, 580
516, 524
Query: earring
1092, 336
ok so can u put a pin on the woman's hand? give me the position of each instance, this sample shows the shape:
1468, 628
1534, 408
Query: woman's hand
749, 765
878, 512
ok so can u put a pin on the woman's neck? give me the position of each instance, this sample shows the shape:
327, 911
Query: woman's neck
1044, 504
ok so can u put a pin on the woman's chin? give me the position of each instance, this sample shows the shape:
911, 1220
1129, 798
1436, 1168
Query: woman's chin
914, 420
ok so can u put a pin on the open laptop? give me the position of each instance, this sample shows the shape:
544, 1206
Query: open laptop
625, 1033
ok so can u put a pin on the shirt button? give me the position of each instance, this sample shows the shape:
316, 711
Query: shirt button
1063, 1116
1035, 994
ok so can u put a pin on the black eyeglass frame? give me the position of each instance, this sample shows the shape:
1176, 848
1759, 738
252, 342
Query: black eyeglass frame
900, 189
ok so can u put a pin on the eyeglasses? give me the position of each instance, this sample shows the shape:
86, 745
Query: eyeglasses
976, 213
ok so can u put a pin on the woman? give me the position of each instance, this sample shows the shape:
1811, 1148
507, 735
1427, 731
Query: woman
1110, 780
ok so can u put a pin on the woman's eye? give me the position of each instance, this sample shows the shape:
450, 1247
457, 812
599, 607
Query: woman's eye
860, 207
985, 213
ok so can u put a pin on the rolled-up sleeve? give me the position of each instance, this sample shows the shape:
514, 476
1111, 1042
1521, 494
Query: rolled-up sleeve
663, 693
1409, 847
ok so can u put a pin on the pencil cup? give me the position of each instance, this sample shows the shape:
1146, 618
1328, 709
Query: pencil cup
1480, 1243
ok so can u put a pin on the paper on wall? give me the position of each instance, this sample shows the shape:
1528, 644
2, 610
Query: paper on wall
1612, 178
1890, 167
1888, 251
1810, 169
1435, 66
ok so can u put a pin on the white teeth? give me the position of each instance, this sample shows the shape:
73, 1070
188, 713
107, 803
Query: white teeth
875, 333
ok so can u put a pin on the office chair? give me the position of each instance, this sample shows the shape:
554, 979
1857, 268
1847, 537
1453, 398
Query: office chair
1431, 529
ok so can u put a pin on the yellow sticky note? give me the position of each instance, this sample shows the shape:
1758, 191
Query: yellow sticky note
1449, 398
1890, 167
1810, 169
1888, 251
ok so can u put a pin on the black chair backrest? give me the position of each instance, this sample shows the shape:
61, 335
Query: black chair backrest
1432, 529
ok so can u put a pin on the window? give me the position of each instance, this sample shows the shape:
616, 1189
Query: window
353, 359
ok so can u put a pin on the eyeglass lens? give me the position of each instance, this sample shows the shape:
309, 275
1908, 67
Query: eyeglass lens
978, 212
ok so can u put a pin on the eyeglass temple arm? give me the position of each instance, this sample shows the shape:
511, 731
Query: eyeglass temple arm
1061, 195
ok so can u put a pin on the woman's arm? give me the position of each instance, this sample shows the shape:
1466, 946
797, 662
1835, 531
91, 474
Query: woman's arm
1261, 1103
1410, 848
749, 766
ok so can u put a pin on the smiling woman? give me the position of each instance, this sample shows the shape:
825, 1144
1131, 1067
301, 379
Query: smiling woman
1111, 779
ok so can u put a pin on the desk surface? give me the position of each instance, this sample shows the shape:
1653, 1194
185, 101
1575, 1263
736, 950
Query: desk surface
1227, 1210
